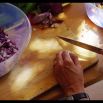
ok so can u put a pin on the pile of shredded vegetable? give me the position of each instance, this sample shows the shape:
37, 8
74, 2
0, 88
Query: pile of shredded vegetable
7, 47
42, 14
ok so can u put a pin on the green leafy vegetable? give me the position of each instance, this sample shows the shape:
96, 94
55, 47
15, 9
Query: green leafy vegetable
28, 7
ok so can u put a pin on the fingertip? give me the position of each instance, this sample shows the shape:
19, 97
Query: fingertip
74, 55
66, 58
74, 58
64, 54
59, 54
59, 58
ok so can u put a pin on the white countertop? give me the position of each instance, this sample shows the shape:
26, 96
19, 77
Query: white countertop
95, 91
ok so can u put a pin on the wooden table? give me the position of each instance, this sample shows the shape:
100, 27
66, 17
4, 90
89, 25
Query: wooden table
33, 76
92, 74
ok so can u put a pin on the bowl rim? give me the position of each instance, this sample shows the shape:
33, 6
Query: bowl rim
92, 4
96, 8
23, 14
29, 26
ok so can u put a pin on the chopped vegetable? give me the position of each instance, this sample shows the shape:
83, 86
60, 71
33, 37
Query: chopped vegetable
41, 14
44, 20
7, 47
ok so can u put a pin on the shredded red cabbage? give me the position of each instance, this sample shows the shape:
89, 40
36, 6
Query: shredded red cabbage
7, 47
44, 20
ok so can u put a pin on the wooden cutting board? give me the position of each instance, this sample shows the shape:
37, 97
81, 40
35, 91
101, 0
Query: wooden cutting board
33, 74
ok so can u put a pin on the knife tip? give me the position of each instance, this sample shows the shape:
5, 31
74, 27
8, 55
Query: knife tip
59, 36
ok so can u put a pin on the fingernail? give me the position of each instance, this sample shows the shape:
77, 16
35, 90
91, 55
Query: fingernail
65, 53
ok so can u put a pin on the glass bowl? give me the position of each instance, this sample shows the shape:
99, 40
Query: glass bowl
17, 26
95, 14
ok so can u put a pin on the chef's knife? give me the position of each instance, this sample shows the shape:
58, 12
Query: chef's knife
83, 45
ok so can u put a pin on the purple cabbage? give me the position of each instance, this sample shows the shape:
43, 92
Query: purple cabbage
7, 47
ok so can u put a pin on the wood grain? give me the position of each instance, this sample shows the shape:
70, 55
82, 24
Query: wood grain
33, 75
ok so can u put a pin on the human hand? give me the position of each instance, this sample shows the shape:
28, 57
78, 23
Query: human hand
68, 73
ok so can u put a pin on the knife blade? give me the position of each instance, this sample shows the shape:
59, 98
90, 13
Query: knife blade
83, 45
